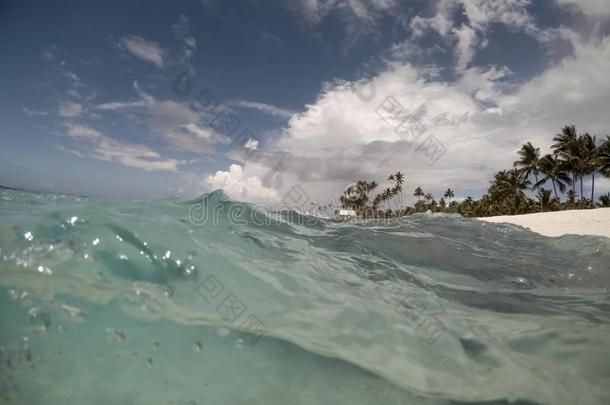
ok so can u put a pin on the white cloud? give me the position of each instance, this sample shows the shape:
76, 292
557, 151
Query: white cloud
34, 113
141, 48
251, 144
133, 155
145, 100
150, 100
94, 144
175, 123
513, 13
49, 52
69, 109
194, 138
359, 17
479, 15
242, 188
265, 108
591, 8
575, 90
179, 126
441, 22
466, 45
121, 105
481, 119
72, 77
78, 131
182, 32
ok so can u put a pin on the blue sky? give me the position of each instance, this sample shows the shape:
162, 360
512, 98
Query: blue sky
87, 104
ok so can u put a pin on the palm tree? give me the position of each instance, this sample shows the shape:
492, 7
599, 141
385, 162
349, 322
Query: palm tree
571, 196
430, 202
357, 196
529, 162
567, 149
578, 154
546, 201
419, 193
506, 190
553, 170
590, 154
449, 194
399, 178
605, 200
603, 156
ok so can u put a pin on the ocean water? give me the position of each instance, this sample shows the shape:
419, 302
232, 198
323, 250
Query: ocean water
215, 302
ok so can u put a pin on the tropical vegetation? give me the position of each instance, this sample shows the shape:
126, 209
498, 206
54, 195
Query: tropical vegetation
536, 183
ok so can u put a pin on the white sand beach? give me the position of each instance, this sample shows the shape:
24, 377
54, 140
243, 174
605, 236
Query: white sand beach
575, 222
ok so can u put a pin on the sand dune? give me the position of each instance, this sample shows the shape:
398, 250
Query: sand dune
575, 222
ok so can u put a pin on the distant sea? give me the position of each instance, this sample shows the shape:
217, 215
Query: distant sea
212, 301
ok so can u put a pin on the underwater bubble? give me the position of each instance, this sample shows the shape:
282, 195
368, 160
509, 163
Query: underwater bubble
70, 312
188, 271
144, 301
45, 270
522, 282
39, 321
115, 335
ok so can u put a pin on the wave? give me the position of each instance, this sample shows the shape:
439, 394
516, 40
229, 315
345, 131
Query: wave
444, 308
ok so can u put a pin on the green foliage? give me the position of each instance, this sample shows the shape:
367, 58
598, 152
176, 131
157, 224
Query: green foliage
573, 157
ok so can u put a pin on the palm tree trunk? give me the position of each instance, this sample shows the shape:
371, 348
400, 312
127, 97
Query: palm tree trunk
592, 188
574, 185
555, 188
539, 197
582, 195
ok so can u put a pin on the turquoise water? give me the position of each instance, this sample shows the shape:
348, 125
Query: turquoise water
213, 302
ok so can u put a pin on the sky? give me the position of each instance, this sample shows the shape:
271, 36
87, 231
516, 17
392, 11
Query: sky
279, 101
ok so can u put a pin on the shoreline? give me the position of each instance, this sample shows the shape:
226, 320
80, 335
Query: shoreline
594, 222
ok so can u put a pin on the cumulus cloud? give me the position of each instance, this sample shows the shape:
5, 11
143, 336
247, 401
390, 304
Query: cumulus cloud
241, 187
143, 49
481, 119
